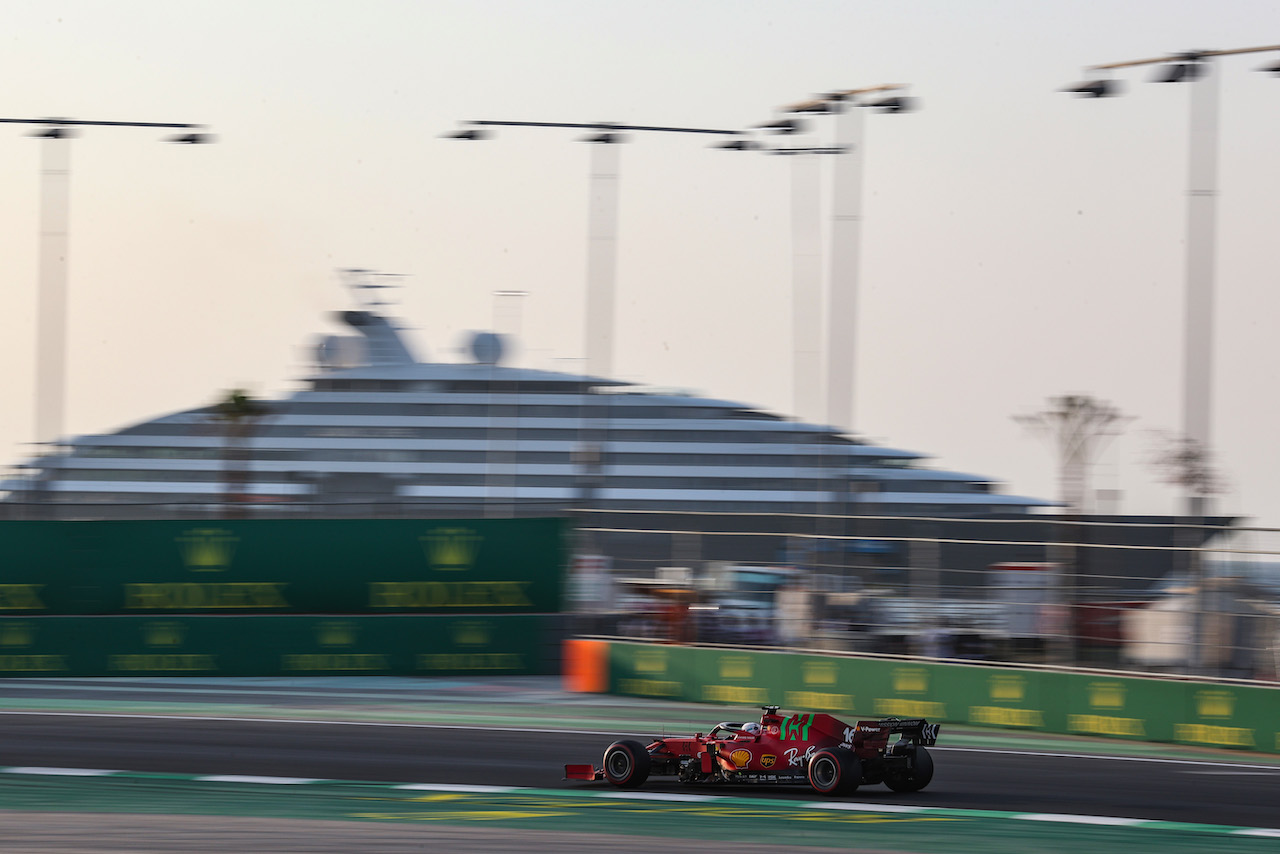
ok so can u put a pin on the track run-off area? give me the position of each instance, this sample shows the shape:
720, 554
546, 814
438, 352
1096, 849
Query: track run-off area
387, 764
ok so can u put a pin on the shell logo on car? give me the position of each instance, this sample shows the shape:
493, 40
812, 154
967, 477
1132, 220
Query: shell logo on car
740, 757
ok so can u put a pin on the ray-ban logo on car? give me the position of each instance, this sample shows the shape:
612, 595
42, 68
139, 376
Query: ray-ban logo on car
796, 759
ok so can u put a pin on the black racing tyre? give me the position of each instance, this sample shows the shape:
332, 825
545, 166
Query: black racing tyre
914, 779
834, 772
626, 764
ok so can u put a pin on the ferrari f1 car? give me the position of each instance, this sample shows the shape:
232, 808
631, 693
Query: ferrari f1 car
832, 756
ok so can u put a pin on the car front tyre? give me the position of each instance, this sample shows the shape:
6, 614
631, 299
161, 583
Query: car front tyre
626, 764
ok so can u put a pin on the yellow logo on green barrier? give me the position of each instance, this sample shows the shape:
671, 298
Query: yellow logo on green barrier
207, 549
651, 661
1220, 705
165, 634
21, 597
735, 667
910, 680
17, 634
1215, 704
819, 672
1008, 687
335, 633
451, 549
1106, 695
471, 634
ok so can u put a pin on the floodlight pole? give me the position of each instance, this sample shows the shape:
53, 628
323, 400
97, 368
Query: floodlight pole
846, 255
1202, 229
51, 300
602, 256
806, 283
1197, 69
846, 235
51, 296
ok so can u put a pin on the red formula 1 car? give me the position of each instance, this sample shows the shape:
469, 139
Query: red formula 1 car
832, 756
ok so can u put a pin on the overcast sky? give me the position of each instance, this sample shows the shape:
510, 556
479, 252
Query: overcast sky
1018, 243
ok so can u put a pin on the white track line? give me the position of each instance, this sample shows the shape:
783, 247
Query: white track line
656, 796
249, 778
458, 787
1081, 819
840, 805
63, 772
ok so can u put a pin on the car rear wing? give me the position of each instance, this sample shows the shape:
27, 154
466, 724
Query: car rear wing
918, 730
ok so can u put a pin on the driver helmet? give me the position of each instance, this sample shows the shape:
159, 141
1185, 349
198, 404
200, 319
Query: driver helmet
751, 728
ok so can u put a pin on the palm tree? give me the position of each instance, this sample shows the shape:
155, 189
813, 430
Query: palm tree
238, 412
1182, 461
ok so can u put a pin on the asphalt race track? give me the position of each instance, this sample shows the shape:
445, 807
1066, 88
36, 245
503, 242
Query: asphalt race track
330, 765
1197, 791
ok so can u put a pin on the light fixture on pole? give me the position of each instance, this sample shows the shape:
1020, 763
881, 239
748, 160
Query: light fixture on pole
51, 309
1194, 67
1101, 87
602, 220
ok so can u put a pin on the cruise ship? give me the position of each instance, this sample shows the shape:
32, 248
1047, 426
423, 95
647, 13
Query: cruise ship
376, 425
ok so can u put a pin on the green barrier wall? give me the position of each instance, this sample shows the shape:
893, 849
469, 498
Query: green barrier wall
282, 566
1120, 707
279, 645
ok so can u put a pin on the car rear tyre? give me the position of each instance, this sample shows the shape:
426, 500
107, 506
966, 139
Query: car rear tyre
834, 772
626, 764
916, 777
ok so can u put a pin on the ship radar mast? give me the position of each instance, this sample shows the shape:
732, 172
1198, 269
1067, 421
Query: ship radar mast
382, 344
372, 290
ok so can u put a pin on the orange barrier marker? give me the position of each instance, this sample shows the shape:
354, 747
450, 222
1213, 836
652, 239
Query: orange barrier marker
586, 666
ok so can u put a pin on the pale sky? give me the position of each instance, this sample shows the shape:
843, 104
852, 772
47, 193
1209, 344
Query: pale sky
1018, 243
